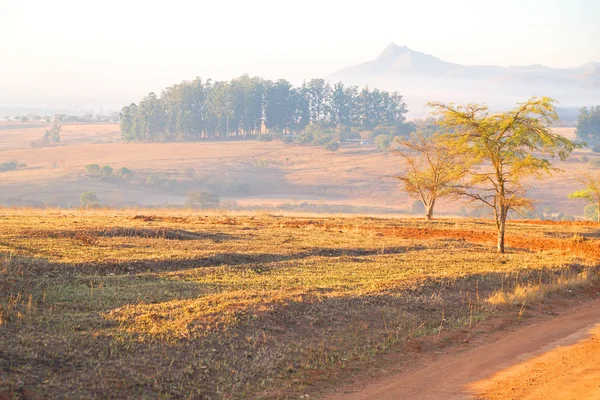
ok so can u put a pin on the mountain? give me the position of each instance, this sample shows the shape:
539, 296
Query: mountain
423, 77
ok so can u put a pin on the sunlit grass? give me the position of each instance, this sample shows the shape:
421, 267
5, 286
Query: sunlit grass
227, 306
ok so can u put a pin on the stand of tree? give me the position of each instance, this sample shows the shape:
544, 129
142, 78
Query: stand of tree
588, 124
246, 107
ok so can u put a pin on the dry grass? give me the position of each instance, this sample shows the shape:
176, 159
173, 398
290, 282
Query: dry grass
289, 174
182, 305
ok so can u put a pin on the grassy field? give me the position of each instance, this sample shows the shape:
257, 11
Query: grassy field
253, 174
206, 306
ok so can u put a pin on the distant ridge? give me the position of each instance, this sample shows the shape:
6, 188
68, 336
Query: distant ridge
421, 78
401, 61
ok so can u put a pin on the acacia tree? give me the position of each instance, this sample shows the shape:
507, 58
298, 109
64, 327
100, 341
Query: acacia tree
433, 167
591, 192
506, 149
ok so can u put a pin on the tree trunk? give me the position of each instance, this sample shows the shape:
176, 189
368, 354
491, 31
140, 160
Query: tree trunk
501, 230
429, 213
429, 210
598, 211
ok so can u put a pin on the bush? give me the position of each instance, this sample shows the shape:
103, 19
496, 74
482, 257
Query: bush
10, 165
287, 139
89, 200
125, 173
153, 180
265, 138
189, 172
332, 146
92, 170
199, 199
591, 212
565, 217
595, 162
383, 142
584, 159
106, 171
418, 207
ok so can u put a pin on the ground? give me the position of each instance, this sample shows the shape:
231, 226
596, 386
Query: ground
251, 174
177, 304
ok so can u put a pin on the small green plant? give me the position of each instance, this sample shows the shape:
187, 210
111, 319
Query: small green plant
89, 200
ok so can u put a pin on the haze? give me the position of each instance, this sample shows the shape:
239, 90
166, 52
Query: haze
106, 55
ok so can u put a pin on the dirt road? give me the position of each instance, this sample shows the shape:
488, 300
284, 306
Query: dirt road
557, 358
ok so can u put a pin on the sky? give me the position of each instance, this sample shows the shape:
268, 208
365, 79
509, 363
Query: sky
116, 51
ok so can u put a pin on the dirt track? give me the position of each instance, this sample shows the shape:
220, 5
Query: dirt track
557, 358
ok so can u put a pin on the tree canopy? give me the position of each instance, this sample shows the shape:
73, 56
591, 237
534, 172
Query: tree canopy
434, 166
506, 148
590, 193
588, 124
249, 106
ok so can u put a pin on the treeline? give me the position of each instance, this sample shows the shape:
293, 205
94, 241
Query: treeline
250, 106
588, 123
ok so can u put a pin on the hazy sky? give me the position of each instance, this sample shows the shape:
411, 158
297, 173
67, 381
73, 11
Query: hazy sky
123, 49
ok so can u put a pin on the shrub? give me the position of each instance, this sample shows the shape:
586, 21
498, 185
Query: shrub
287, 139
595, 162
92, 170
383, 142
591, 212
418, 207
10, 165
106, 171
265, 138
125, 173
153, 180
584, 159
565, 217
189, 172
199, 199
89, 200
332, 146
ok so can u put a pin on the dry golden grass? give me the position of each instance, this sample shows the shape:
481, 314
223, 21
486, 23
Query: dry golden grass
276, 173
201, 305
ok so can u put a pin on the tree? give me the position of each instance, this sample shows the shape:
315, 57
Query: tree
125, 173
52, 135
588, 123
505, 150
591, 193
106, 171
89, 200
92, 170
434, 167
199, 199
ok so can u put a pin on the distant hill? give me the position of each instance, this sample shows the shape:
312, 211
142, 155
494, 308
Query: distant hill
422, 77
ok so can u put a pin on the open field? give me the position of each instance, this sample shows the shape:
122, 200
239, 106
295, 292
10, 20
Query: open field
193, 305
251, 174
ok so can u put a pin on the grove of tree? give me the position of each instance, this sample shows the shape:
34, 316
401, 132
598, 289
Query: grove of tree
249, 106
588, 124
